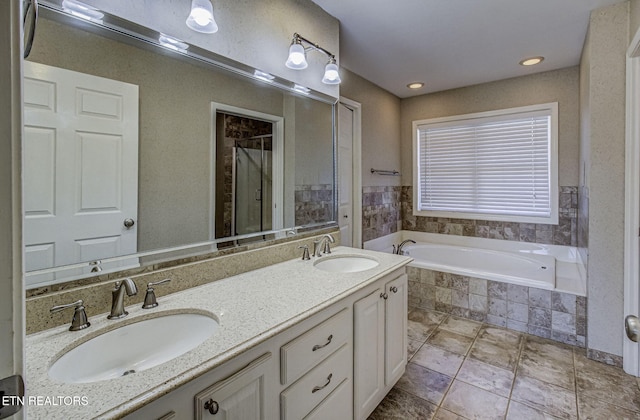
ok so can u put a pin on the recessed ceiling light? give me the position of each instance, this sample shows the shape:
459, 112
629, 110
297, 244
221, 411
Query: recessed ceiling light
531, 61
415, 85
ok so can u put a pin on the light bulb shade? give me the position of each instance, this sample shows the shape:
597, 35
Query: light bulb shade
297, 58
331, 76
201, 17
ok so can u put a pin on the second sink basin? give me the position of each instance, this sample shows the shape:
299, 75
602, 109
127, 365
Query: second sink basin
345, 263
133, 348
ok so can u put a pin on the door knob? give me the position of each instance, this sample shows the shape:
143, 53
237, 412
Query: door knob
632, 327
128, 223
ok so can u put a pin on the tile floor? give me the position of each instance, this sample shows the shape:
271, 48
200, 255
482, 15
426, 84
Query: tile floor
462, 369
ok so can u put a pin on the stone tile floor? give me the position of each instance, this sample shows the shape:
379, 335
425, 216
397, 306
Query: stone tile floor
462, 369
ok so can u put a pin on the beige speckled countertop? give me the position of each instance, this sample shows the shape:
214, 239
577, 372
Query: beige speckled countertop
251, 308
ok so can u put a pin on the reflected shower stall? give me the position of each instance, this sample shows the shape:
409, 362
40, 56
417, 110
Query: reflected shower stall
252, 194
244, 175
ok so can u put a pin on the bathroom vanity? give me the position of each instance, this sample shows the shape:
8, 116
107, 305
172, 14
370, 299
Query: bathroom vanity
299, 339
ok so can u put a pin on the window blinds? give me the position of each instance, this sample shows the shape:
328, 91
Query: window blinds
493, 165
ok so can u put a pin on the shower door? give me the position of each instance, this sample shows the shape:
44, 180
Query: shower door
252, 189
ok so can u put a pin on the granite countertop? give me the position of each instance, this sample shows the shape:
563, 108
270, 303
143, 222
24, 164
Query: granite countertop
251, 308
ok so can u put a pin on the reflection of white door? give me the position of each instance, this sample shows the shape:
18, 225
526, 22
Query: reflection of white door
81, 168
349, 174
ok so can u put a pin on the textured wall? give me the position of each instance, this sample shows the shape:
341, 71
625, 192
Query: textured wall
380, 128
603, 151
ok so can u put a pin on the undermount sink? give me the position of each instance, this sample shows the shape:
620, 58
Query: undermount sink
345, 263
133, 348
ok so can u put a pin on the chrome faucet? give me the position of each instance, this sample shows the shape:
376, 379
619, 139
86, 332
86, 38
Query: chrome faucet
398, 250
322, 245
117, 303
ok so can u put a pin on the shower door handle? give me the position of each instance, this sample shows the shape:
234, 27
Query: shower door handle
258, 195
632, 328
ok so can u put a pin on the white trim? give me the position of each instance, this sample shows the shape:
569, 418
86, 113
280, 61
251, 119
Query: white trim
277, 156
631, 350
553, 169
356, 190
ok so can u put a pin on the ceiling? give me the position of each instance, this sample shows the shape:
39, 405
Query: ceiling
453, 43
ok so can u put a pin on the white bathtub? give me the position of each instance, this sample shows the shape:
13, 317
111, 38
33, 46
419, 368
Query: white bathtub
529, 270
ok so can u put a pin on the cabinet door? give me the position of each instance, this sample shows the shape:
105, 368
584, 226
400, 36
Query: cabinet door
368, 372
395, 329
239, 397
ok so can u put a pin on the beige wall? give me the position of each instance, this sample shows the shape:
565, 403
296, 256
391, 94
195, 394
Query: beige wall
634, 18
553, 86
380, 128
252, 32
602, 154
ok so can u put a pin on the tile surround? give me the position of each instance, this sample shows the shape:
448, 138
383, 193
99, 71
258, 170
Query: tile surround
564, 233
380, 211
313, 204
545, 313
505, 374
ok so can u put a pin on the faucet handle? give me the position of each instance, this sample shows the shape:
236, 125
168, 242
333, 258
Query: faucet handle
150, 298
79, 321
305, 252
326, 249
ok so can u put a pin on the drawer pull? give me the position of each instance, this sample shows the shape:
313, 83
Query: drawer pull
318, 388
212, 406
318, 346
394, 289
384, 295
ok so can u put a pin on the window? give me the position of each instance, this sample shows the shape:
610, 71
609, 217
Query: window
498, 165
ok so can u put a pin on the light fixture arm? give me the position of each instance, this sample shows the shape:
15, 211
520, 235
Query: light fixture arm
312, 46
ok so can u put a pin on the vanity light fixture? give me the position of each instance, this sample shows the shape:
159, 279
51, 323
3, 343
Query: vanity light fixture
172, 43
532, 61
297, 59
83, 11
301, 89
415, 85
258, 74
201, 17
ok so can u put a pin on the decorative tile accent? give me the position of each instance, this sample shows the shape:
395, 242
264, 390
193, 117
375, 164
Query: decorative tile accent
313, 204
564, 233
544, 313
380, 211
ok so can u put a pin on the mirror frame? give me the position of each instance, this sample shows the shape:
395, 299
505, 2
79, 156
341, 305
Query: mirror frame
122, 30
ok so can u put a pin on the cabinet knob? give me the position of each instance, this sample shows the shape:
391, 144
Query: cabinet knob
212, 406
394, 289
384, 295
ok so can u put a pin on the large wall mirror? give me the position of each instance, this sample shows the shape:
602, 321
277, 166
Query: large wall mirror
131, 149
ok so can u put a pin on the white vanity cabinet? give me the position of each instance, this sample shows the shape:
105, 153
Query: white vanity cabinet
241, 396
380, 343
336, 364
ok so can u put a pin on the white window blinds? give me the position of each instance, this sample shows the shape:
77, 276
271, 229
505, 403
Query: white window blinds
498, 164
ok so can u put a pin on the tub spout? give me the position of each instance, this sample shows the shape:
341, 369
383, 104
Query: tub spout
398, 250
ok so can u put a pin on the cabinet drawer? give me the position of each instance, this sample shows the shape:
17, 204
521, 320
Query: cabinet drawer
338, 405
301, 397
304, 352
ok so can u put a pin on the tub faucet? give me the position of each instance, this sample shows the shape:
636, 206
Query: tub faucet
117, 303
319, 249
398, 250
